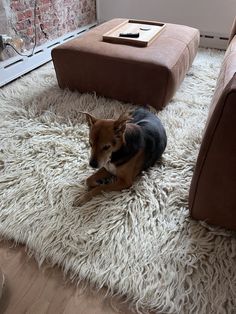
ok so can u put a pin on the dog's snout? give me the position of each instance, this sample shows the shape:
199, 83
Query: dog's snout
93, 163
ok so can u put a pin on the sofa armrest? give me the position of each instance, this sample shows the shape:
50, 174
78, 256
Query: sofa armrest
212, 196
233, 31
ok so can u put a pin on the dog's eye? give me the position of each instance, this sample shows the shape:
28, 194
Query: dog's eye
106, 147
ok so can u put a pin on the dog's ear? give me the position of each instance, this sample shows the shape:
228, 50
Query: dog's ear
90, 119
120, 123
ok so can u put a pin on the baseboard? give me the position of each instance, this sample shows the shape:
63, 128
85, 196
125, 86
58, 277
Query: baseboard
15, 67
211, 40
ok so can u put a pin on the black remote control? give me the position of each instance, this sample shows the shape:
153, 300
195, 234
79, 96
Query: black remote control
130, 35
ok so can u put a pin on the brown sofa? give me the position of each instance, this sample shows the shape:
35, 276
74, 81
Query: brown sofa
212, 196
2, 279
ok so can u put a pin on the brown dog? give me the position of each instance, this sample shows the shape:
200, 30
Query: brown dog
121, 149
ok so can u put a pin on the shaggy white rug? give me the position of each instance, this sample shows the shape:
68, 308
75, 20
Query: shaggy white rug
139, 243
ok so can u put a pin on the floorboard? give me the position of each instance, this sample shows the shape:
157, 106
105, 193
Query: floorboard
33, 290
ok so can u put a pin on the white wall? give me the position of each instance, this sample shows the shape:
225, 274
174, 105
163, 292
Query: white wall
209, 16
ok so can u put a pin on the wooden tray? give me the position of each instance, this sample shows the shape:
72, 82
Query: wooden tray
148, 31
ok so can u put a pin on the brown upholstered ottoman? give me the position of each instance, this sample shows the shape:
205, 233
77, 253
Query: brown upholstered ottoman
140, 75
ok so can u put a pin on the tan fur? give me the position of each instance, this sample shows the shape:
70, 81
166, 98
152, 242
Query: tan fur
106, 137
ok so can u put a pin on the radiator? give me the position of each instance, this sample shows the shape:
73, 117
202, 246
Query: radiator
15, 67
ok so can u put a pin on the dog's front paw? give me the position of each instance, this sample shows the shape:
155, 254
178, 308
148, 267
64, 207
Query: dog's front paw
81, 200
90, 183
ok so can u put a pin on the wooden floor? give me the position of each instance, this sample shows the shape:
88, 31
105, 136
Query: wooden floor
31, 290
